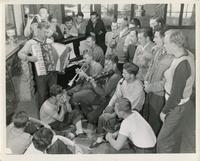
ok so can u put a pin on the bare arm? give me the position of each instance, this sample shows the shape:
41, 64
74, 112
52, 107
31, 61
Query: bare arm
118, 143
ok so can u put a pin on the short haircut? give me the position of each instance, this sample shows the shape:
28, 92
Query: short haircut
68, 18
44, 8
94, 13
148, 32
136, 22
55, 89
161, 30
123, 104
92, 37
80, 14
42, 138
159, 20
20, 119
131, 68
176, 37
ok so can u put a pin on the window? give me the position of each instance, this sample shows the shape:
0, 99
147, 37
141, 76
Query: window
85, 8
173, 14
188, 15
107, 10
70, 9
124, 10
180, 15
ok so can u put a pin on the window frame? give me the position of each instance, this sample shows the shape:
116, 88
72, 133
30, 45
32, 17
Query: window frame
179, 26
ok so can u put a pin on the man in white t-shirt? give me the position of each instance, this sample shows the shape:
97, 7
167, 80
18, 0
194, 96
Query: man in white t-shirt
133, 127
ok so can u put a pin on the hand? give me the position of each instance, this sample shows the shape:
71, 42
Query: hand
92, 33
115, 134
162, 116
146, 87
32, 58
108, 136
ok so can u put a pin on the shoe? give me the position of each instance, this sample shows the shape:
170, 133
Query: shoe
95, 144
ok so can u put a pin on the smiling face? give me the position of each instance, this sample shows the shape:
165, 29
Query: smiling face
168, 44
69, 24
79, 19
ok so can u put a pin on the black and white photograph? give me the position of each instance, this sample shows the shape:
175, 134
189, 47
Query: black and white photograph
100, 78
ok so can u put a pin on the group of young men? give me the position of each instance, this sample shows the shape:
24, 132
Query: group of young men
130, 105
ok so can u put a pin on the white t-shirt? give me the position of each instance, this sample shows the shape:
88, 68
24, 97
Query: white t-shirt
138, 131
47, 111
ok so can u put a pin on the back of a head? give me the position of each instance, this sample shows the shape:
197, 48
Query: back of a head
42, 138
131, 68
176, 36
123, 104
20, 119
55, 89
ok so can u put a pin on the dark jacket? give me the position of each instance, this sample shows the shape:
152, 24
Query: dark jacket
99, 31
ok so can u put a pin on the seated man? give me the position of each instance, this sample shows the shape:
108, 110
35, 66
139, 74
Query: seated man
97, 51
56, 111
129, 87
45, 141
94, 100
92, 69
133, 128
68, 29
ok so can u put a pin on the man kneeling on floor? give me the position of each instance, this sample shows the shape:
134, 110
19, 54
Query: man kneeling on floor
57, 112
133, 129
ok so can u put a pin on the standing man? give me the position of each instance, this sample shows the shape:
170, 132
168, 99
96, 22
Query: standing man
95, 27
123, 33
180, 78
50, 56
33, 29
143, 54
80, 23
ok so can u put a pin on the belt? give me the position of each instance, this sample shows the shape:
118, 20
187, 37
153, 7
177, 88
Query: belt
184, 100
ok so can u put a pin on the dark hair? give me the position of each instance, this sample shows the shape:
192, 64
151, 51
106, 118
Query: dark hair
159, 20
131, 68
92, 37
80, 14
136, 22
94, 13
123, 104
55, 89
20, 119
148, 32
161, 30
42, 138
68, 18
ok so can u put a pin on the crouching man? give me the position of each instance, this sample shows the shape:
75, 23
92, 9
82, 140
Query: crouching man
134, 128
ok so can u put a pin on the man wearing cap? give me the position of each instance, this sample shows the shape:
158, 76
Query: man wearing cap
128, 87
